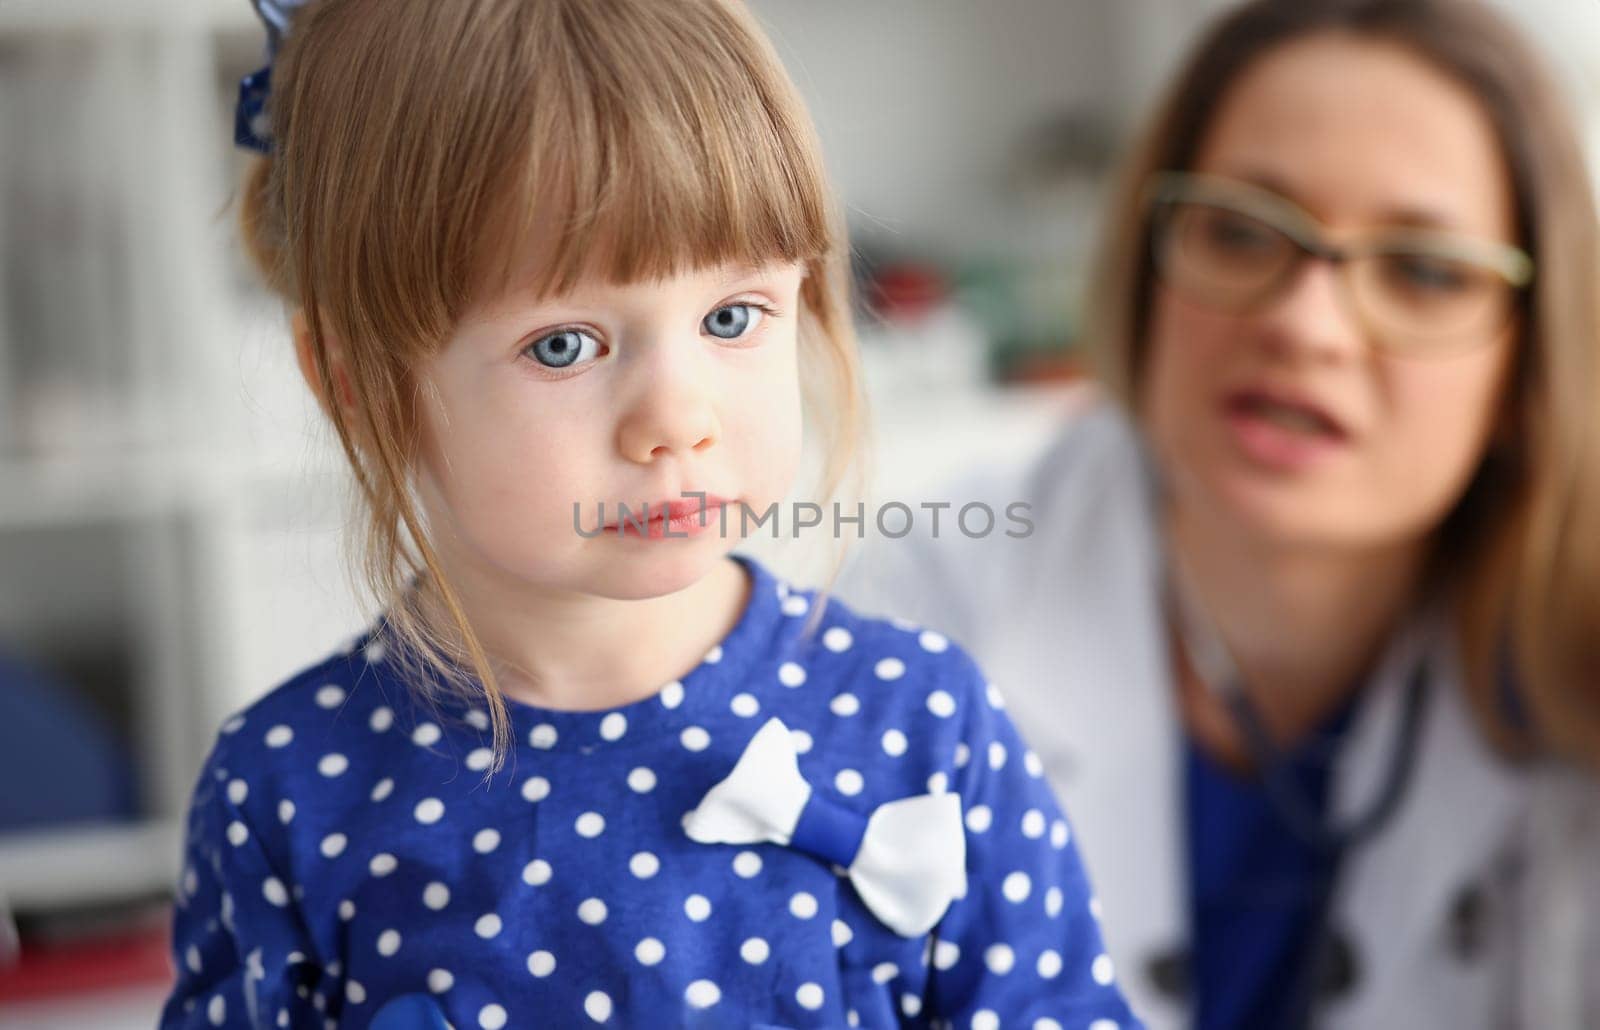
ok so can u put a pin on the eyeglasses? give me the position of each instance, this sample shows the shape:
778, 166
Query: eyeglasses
1233, 246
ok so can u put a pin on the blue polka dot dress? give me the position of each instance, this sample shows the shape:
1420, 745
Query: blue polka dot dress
349, 865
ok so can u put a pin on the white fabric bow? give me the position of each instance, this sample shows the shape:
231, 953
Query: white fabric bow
907, 860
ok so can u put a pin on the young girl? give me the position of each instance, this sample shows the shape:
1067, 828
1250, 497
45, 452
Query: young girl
547, 256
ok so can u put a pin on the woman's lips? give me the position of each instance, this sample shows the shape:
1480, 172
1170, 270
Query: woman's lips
1282, 431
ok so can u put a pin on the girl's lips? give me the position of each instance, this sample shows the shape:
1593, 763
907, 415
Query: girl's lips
1282, 432
678, 519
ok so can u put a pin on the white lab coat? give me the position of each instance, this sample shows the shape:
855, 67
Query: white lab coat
1474, 907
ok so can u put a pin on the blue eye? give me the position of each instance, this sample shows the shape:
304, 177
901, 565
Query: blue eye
732, 321
564, 349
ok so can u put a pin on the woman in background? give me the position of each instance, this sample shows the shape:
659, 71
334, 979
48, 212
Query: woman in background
1308, 630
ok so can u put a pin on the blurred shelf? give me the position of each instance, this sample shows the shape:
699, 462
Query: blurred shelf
75, 867
99, 15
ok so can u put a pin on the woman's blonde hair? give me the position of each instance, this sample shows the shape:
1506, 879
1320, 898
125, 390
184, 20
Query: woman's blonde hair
418, 144
1520, 553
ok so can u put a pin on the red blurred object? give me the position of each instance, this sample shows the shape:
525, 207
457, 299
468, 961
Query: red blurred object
907, 292
137, 956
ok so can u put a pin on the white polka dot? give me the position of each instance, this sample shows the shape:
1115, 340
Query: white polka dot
842, 934
440, 980
382, 718
1052, 902
997, 755
1049, 964
478, 719
192, 959
695, 738
217, 1010
744, 705
333, 845
233, 725
849, 782
1059, 834
933, 643
492, 1017
1046, 1023
985, 1019
702, 994
535, 788
809, 996
429, 811
279, 736
1103, 970
754, 951
541, 964
791, 675
941, 704
487, 926
542, 736
1017, 887
992, 693
382, 865
612, 727
333, 765
356, 993
747, 864
273, 890
697, 908
889, 669
883, 972
910, 1004
590, 825
486, 841
1103, 1024
938, 783
999, 958
894, 743
238, 790
837, 640
803, 905
802, 741
330, 696
388, 942
237, 833
1033, 824
672, 694
1095, 908
382, 789
426, 735
597, 1006
436, 895
979, 818
592, 911
649, 951
1031, 762
641, 780
644, 865
795, 605
845, 705
480, 759
347, 910
714, 655
374, 652
946, 954
963, 756
536, 873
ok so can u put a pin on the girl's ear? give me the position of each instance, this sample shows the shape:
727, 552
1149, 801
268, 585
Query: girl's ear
305, 355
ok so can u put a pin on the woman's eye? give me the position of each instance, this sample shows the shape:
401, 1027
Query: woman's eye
564, 349
1427, 273
732, 321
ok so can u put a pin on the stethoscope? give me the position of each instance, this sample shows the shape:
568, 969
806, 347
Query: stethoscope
1330, 962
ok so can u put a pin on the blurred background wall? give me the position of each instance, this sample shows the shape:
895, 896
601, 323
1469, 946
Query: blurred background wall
171, 511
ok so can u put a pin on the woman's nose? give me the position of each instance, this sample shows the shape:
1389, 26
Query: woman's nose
1312, 317
671, 408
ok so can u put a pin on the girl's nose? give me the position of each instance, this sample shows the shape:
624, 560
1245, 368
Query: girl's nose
1312, 318
672, 411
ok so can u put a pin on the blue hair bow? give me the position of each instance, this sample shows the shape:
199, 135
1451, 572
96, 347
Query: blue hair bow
251, 126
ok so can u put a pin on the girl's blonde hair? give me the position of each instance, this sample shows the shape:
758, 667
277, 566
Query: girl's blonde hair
417, 145
1520, 553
